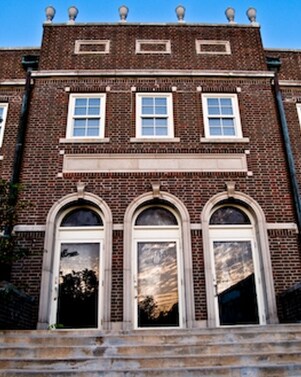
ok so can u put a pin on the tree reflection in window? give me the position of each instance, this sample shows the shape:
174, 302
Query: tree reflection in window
156, 216
82, 217
78, 285
229, 216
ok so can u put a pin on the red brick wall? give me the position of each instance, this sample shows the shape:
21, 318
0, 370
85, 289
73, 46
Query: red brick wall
11, 63
269, 184
290, 63
59, 41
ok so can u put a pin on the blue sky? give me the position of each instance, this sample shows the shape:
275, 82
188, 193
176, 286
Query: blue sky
21, 20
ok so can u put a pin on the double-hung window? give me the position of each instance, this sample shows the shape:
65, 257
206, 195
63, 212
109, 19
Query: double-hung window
221, 116
3, 115
154, 115
86, 118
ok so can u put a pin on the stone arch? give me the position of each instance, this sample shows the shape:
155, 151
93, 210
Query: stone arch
177, 205
259, 220
54, 214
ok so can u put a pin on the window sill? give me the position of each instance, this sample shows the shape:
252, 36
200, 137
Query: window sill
225, 140
1, 158
85, 140
155, 140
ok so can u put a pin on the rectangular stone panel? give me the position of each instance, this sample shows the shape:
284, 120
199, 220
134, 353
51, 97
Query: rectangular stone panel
123, 163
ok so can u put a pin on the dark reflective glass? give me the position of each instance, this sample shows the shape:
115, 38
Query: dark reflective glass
78, 286
156, 216
235, 283
158, 297
82, 217
229, 216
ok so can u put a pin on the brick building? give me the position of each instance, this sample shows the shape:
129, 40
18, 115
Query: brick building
154, 162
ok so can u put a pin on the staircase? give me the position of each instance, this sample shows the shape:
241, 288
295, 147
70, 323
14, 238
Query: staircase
267, 351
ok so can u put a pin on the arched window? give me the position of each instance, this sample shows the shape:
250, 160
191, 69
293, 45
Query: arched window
236, 266
77, 296
158, 290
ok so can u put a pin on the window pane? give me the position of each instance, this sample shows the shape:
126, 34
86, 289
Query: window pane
79, 132
161, 131
78, 288
80, 111
226, 102
235, 281
147, 101
94, 102
161, 110
158, 296
80, 102
226, 111
93, 123
147, 122
82, 217
228, 131
212, 102
148, 131
147, 110
92, 132
214, 122
230, 216
93, 111
160, 102
213, 110
215, 131
156, 216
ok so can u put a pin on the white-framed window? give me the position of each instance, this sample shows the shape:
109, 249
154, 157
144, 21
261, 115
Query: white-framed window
154, 115
221, 116
157, 259
211, 47
77, 295
3, 115
153, 46
86, 116
238, 291
92, 47
299, 113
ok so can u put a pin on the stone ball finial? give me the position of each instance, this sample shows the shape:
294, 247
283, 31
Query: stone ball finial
123, 13
72, 12
230, 14
180, 12
50, 13
251, 13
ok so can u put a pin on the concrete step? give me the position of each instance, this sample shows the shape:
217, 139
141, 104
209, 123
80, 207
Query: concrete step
261, 371
266, 351
150, 362
71, 351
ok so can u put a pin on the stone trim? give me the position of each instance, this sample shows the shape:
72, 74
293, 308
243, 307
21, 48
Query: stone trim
80, 140
142, 162
165, 42
92, 42
152, 72
224, 140
199, 43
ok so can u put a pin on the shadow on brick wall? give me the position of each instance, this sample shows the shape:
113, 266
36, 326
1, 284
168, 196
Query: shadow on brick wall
290, 303
17, 309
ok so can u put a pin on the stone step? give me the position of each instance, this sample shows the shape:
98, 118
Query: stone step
255, 371
150, 362
208, 336
72, 351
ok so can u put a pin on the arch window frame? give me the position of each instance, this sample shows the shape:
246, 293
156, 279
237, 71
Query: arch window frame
257, 218
176, 205
55, 216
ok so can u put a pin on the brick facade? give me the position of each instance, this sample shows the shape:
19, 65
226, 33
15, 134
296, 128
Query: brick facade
121, 74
